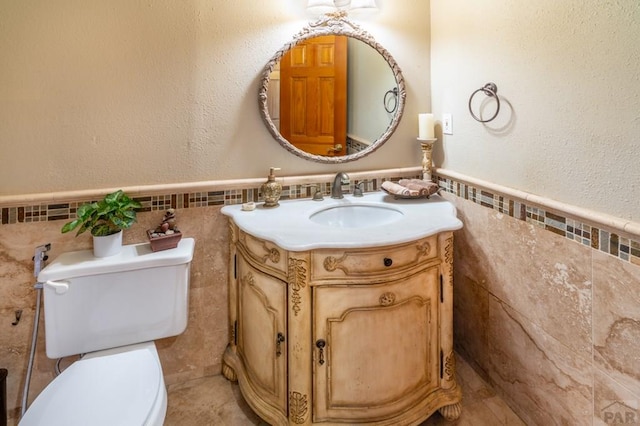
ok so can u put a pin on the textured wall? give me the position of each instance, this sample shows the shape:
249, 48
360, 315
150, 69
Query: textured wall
567, 72
121, 93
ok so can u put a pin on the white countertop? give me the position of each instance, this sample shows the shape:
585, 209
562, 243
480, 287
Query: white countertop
290, 228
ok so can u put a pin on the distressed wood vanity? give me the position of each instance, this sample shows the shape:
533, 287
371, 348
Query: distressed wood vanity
346, 335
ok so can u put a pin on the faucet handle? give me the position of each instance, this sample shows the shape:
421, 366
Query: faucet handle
358, 190
317, 196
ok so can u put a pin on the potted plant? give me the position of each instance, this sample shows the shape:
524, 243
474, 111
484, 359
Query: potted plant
105, 220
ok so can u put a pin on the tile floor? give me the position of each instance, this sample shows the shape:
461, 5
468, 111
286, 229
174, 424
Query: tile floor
216, 401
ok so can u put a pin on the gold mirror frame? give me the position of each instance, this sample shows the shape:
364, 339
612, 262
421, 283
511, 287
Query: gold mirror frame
331, 24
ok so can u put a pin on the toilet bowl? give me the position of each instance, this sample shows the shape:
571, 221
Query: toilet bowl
111, 310
121, 386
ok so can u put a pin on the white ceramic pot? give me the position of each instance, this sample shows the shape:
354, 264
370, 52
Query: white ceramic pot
106, 246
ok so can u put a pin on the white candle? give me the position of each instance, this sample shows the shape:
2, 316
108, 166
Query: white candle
425, 126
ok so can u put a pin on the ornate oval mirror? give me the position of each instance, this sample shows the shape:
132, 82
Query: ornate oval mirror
333, 94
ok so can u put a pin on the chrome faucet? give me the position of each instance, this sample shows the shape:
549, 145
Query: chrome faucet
336, 188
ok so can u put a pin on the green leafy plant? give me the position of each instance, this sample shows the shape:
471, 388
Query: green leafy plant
114, 212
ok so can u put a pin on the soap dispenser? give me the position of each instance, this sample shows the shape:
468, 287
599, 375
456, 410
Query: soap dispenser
271, 189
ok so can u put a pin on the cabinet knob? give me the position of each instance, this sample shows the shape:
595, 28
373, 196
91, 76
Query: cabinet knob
388, 261
320, 344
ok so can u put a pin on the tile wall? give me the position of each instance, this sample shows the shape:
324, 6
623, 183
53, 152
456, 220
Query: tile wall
547, 307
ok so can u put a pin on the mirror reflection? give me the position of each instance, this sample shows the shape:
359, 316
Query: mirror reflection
333, 94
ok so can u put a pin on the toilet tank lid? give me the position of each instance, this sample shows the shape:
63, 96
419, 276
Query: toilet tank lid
136, 256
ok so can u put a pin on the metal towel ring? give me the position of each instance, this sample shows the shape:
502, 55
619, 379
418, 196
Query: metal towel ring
394, 93
491, 90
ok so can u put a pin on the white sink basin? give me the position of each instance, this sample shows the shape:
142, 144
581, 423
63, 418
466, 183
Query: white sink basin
377, 219
356, 216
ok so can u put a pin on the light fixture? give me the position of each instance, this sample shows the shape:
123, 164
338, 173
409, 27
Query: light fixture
326, 6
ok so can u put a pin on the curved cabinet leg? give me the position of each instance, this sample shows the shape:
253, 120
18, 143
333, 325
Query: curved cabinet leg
228, 372
451, 412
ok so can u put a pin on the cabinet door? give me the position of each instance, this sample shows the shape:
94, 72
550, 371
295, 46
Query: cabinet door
261, 333
380, 352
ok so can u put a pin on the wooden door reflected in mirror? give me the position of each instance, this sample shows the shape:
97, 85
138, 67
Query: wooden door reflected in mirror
313, 95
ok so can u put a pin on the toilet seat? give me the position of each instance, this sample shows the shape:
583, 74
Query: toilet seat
120, 386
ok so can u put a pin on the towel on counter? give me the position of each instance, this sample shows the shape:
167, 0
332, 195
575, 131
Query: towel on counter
424, 187
395, 189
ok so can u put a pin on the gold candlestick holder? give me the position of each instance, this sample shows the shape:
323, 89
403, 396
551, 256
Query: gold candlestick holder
427, 153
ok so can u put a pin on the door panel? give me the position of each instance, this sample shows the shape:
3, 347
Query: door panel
313, 107
381, 352
261, 317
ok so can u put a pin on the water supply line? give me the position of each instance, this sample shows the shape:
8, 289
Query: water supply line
39, 258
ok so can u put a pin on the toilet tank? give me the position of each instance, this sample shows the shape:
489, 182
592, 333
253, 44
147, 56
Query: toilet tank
136, 296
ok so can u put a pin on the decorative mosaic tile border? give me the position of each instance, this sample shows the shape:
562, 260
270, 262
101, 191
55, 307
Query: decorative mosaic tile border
586, 234
66, 211
593, 235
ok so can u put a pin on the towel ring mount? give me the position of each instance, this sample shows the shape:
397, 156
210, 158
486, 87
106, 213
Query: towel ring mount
490, 90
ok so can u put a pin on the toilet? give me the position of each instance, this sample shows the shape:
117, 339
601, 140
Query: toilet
111, 310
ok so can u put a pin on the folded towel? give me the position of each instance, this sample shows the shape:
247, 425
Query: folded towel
424, 187
395, 189
422, 191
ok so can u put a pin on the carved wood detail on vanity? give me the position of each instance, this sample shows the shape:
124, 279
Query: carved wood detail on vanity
233, 235
387, 299
374, 262
343, 336
262, 251
297, 281
272, 254
331, 263
424, 249
448, 257
298, 407
451, 412
450, 366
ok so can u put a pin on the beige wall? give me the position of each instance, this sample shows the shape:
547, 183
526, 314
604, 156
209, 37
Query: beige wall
122, 93
567, 72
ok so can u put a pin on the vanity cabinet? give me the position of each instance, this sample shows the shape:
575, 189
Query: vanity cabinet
343, 336
261, 327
